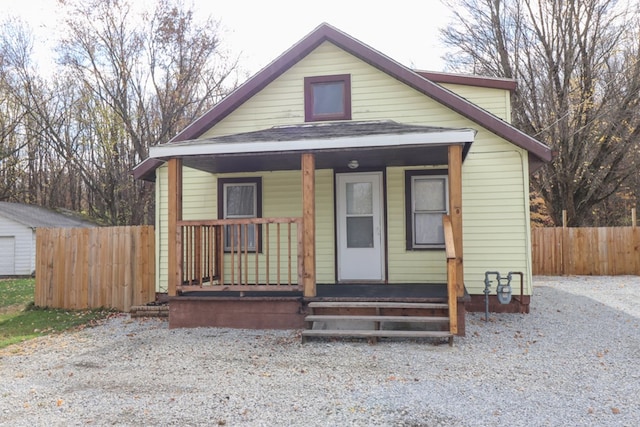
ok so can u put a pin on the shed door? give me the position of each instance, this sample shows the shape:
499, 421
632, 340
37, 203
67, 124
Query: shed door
360, 227
7, 255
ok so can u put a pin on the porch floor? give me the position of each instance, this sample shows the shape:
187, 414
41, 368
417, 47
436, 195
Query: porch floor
419, 292
381, 292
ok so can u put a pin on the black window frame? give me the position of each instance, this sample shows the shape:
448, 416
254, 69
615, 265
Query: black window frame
222, 211
408, 186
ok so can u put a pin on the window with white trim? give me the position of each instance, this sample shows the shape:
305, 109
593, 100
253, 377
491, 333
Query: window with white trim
427, 201
240, 198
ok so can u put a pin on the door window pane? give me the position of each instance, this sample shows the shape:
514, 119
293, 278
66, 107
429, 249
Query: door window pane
360, 232
359, 198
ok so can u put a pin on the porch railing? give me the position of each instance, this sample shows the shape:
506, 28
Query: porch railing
452, 291
262, 254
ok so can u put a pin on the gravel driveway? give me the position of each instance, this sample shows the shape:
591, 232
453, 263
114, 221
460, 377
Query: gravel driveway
575, 361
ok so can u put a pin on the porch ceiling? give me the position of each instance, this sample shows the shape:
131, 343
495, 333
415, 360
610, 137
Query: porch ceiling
373, 144
325, 159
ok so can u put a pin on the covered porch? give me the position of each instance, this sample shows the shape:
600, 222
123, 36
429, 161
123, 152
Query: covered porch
216, 271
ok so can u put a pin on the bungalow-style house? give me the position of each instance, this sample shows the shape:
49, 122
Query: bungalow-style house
18, 224
337, 185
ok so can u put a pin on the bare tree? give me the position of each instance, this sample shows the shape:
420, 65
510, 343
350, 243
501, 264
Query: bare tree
576, 62
126, 79
145, 76
20, 149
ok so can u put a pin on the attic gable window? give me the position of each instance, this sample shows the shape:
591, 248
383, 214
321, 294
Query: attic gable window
327, 98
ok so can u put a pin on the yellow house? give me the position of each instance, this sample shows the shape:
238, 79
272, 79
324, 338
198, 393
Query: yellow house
339, 182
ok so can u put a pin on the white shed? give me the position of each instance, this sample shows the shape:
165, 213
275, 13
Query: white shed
18, 224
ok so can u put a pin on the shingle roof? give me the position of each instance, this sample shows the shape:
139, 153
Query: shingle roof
325, 131
37, 216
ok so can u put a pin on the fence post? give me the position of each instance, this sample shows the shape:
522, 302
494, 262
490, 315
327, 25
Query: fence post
562, 233
635, 239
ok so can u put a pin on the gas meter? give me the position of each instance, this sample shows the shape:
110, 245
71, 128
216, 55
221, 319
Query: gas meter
503, 292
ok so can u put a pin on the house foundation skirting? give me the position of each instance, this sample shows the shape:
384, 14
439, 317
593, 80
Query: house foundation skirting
242, 313
476, 303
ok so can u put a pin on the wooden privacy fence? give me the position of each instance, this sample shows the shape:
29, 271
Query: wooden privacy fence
80, 268
601, 251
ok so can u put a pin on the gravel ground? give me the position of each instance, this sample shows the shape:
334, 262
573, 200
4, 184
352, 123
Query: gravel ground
574, 360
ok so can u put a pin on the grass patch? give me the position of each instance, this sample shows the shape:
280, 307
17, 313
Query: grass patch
16, 292
20, 320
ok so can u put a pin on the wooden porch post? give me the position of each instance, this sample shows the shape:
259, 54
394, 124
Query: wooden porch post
455, 210
174, 243
309, 225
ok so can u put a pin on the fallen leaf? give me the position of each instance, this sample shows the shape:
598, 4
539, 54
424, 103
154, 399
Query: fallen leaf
615, 411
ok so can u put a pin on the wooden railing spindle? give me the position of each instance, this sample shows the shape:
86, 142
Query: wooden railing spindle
234, 256
268, 260
202, 264
289, 251
278, 249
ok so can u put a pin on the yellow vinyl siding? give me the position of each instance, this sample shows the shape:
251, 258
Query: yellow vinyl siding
325, 235
407, 266
496, 101
494, 173
495, 216
199, 200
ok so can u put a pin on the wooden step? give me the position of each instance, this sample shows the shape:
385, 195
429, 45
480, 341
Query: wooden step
149, 311
374, 333
376, 304
351, 330
408, 319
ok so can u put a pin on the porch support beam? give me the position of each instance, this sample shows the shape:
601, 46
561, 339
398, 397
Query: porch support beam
308, 224
455, 210
174, 256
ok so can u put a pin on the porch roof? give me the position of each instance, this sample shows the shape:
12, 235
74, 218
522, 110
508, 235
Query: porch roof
372, 144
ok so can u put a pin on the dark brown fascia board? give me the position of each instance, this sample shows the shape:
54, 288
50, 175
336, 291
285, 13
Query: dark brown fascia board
326, 32
144, 169
469, 80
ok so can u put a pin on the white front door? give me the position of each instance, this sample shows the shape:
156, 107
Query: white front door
360, 227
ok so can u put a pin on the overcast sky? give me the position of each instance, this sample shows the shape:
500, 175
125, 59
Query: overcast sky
260, 30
